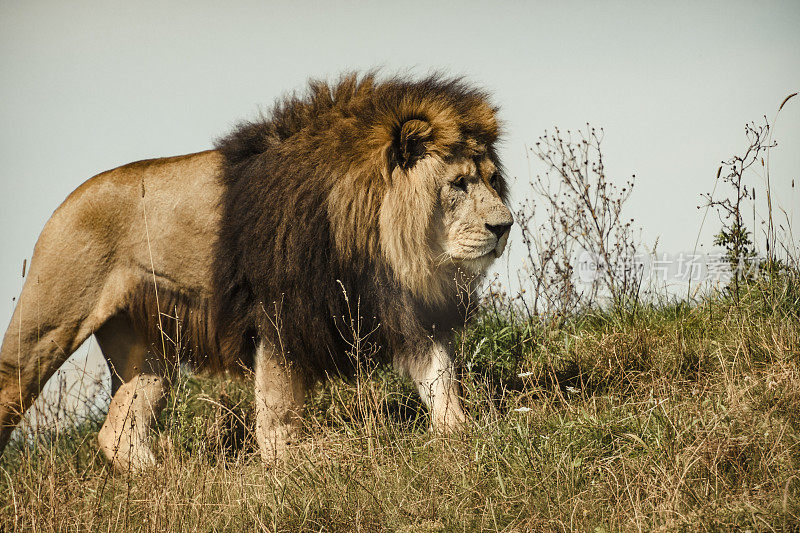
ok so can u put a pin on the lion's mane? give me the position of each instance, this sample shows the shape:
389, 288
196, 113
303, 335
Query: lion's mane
317, 242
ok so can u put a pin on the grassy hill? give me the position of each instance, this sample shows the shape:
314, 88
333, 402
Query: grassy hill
672, 416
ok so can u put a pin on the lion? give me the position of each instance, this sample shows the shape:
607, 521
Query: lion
356, 207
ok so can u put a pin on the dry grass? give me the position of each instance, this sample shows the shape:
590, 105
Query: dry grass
675, 418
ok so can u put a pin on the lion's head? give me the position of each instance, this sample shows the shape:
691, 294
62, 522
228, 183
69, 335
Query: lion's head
444, 206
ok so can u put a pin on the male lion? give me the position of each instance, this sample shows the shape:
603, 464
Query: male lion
363, 200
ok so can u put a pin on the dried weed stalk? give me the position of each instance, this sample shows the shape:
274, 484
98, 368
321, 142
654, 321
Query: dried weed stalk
582, 249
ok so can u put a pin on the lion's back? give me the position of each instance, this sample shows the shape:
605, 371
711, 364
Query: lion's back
164, 208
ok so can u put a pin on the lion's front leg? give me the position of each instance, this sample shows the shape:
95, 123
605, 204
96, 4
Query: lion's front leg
435, 376
280, 390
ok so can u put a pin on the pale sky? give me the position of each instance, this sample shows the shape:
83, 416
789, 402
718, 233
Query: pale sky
87, 86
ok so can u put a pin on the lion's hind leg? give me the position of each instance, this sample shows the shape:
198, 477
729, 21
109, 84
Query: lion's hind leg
125, 435
140, 385
55, 314
27, 360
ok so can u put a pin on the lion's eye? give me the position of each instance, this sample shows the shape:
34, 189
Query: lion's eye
459, 183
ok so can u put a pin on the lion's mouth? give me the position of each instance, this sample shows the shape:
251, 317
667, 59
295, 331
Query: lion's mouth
501, 245
491, 253
480, 257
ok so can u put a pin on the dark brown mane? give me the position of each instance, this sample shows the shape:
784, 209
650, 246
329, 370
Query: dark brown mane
303, 188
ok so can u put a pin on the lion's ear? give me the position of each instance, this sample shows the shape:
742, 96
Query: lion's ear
411, 142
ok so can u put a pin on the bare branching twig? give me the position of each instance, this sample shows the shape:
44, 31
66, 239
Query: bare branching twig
583, 226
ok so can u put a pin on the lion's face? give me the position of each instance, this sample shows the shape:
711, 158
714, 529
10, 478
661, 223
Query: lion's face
474, 224
443, 206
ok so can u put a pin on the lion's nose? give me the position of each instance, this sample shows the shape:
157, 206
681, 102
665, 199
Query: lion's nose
498, 229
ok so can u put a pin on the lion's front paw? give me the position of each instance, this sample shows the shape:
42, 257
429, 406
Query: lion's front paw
452, 420
275, 441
